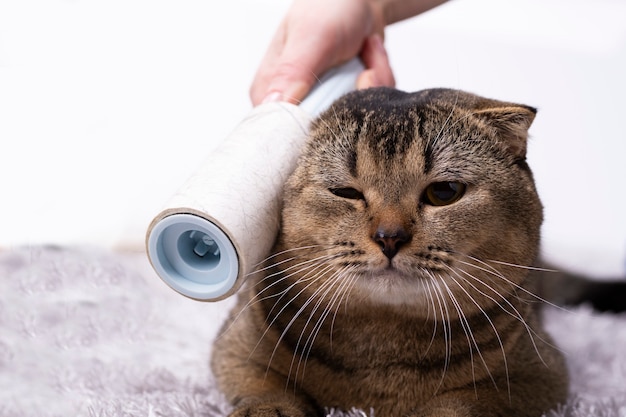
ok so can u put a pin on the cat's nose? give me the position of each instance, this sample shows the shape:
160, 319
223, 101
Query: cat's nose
390, 240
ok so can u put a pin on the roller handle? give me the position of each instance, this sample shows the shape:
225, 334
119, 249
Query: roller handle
335, 83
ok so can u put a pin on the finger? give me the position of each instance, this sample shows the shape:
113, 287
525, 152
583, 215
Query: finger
290, 74
378, 69
264, 73
291, 81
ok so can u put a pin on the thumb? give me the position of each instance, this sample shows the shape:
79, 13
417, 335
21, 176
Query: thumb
291, 82
378, 69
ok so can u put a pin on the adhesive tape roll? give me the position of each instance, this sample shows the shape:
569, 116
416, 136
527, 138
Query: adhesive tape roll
229, 207
223, 222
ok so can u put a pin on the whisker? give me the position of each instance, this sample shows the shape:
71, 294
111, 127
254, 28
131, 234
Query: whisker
532, 333
446, 327
297, 267
272, 265
493, 326
257, 296
325, 288
530, 268
269, 325
339, 277
320, 259
445, 123
468, 332
516, 315
286, 328
256, 299
426, 283
353, 278
491, 270
335, 299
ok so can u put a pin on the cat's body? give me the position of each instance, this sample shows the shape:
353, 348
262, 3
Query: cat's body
399, 280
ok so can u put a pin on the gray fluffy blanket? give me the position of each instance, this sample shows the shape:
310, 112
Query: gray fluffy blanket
87, 332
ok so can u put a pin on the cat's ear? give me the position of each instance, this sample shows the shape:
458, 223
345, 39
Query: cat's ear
512, 122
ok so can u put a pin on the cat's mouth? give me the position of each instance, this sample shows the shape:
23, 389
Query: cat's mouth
408, 270
409, 266
419, 263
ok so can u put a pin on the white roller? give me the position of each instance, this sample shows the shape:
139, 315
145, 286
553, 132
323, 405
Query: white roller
223, 221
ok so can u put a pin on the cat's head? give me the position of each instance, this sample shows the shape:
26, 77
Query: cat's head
400, 195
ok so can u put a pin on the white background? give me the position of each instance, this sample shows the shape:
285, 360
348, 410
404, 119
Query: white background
106, 107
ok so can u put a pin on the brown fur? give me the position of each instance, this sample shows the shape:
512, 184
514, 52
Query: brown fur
375, 296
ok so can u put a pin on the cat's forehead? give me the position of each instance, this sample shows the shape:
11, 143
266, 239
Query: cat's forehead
377, 131
390, 123
389, 102
392, 120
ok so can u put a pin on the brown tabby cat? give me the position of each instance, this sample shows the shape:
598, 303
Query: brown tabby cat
399, 280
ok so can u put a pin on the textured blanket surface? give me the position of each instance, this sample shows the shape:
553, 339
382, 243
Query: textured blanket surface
87, 332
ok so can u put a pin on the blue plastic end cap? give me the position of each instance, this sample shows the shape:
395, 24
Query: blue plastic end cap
193, 256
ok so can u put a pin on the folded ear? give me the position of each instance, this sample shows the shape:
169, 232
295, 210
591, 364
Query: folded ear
511, 122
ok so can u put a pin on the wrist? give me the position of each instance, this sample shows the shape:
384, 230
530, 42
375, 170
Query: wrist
392, 11
379, 13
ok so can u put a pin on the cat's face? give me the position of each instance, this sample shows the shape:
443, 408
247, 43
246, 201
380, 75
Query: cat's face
408, 199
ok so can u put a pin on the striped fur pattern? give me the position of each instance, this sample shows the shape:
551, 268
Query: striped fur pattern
399, 280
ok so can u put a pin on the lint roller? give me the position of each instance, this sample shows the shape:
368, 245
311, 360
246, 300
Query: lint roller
223, 221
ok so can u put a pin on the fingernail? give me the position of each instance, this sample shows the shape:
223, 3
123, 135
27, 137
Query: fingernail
272, 97
373, 80
367, 79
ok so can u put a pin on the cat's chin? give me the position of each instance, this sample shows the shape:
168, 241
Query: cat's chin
394, 287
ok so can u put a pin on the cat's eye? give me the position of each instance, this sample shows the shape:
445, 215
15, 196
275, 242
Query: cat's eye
349, 193
443, 193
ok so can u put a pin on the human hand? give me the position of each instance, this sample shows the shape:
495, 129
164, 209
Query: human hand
316, 36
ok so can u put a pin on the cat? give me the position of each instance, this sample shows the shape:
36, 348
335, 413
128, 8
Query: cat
399, 279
